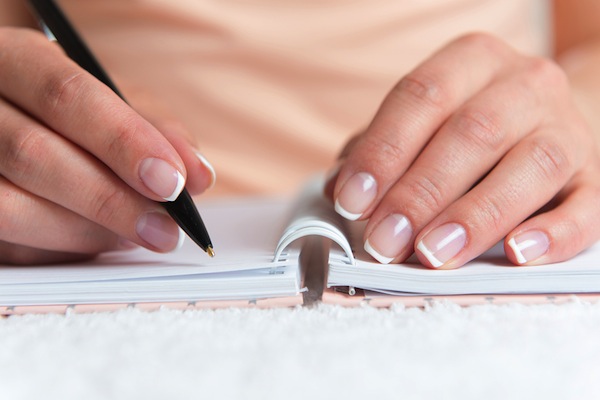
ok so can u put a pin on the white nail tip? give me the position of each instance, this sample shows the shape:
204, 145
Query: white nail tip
348, 215
518, 254
382, 259
178, 188
429, 255
180, 240
211, 169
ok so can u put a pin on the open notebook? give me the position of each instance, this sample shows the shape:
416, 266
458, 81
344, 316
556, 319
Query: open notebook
258, 244
242, 273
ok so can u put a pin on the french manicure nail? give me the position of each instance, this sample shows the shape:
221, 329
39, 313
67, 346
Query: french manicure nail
161, 178
389, 238
529, 245
209, 167
356, 196
160, 231
443, 243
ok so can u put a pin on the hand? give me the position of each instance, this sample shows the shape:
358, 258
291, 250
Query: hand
463, 151
80, 171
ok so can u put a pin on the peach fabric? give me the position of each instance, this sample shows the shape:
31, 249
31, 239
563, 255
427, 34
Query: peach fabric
274, 88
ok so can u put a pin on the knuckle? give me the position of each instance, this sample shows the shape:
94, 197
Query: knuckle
489, 213
426, 193
480, 128
423, 89
60, 90
547, 73
119, 140
388, 147
550, 159
106, 205
25, 148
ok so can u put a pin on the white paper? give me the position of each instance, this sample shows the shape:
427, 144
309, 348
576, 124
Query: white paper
244, 234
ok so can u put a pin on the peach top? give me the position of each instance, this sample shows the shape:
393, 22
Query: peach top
274, 88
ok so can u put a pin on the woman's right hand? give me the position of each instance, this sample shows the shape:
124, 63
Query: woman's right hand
80, 171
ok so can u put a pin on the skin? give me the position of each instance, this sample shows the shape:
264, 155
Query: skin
69, 196
478, 136
482, 137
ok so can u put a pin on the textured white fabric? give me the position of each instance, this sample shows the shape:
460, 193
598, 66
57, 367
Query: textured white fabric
480, 352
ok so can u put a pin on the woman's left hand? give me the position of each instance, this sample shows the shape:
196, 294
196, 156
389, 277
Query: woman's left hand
463, 151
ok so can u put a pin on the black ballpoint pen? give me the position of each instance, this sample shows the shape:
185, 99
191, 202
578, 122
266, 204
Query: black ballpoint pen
182, 209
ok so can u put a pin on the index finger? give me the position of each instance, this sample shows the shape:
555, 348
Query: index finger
38, 78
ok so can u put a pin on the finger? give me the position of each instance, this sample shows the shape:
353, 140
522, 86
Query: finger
38, 78
330, 179
350, 146
561, 233
12, 254
201, 174
31, 221
527, 178
47, 165
411, 114
332, 175
464, 149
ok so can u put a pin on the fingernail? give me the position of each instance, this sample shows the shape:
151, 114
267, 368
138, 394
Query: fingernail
389, 238
529, 246
209, 167
443, 243
160, 231
160, 177
356, 196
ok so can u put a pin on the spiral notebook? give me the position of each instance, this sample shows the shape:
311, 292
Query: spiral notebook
262, 249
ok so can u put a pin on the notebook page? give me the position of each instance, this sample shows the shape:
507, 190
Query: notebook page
244, 233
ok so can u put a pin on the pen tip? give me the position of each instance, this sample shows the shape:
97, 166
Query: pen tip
210, 251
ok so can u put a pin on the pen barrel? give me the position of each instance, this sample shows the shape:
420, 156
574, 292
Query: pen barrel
183, 211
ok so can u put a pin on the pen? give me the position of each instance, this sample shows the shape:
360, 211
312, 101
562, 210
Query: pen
52, 19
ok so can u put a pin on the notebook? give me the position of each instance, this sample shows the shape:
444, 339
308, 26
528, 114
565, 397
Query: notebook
243, 272
262, 248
